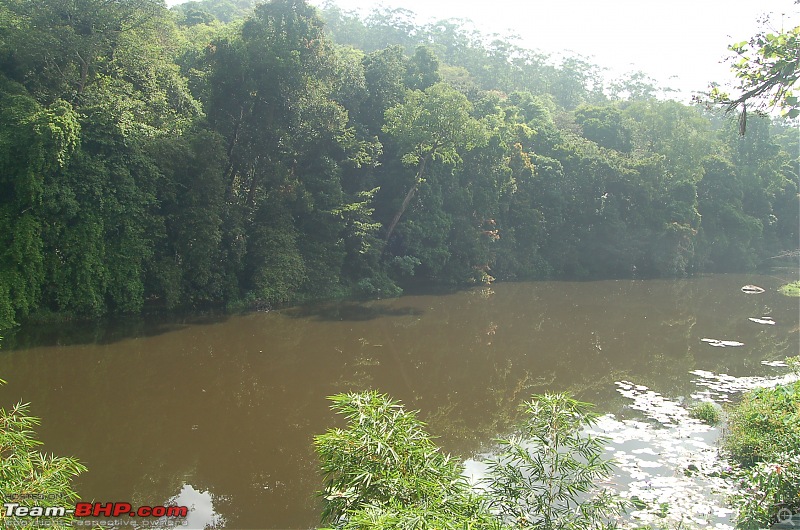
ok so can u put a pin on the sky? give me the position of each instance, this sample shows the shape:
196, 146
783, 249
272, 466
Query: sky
680, 43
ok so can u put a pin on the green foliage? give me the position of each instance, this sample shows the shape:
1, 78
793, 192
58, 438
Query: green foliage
187, 267
546, 477
430, 126
770, 492
706, 412
433, 124
790, 289
28, 476
384, 471
728, 234
765, 424
768, 68
35, 143
226, 153
604, 126
205, 11
794, 364
764, 437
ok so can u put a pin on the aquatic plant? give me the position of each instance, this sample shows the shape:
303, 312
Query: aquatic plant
706, 412
790, 289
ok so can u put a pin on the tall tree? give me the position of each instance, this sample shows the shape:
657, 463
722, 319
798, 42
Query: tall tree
60, 47
430, 125
35, 143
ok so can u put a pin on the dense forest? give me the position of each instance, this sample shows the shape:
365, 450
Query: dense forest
220, 153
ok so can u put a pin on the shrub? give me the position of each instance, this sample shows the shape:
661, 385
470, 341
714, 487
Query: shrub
384, 471
790, 289
764, 437
770, 492
794, 364
546, 476
765, 424
43, 480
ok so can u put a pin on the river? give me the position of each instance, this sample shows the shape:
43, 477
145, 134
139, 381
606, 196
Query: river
220, 412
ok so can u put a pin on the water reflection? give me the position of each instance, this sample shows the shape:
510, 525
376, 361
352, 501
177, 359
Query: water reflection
201, 509
230, 405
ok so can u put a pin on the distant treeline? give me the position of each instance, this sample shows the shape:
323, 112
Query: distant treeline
222, 154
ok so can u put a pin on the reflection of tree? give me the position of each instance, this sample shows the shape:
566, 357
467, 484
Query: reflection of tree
231, 406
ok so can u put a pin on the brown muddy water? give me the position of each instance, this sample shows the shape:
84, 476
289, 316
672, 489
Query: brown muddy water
220, 413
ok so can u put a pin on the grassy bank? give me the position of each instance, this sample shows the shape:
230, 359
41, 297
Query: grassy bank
764, 439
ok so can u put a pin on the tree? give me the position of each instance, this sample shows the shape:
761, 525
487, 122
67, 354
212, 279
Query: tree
188, 267
61, 47
728, 234
384, 78
605, 126
273, 96
768, 69
36, 142
430, 125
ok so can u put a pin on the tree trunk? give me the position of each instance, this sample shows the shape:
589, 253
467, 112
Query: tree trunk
407, 200
230, 171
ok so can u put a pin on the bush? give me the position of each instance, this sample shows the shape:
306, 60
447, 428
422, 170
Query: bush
765, 424
790, 289
770, 492
384, 471
44, 480
764, 438
546, 476
794, 364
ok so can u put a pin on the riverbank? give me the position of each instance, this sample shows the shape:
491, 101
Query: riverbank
672, 467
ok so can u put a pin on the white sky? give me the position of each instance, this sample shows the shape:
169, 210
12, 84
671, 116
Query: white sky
686, 39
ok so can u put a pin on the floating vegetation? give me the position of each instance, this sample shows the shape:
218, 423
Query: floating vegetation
722, 343
707, 412
668, 463
763, 320
720, 387
752, 289
671, 475
775, 364
790, 289
669, 466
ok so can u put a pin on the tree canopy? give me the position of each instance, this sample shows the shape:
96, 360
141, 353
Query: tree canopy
768, 70
221, 153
